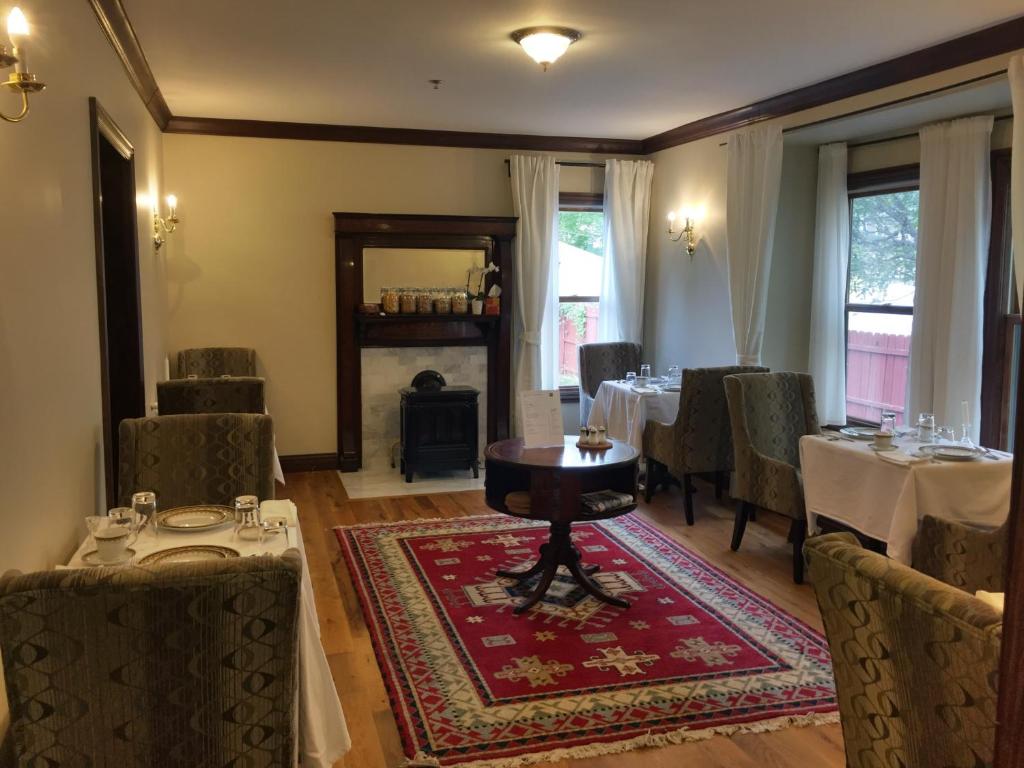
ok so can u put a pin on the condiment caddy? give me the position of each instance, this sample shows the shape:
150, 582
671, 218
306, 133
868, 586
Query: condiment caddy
593, 439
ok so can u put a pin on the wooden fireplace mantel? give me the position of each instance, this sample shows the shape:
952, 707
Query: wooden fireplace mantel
355, 231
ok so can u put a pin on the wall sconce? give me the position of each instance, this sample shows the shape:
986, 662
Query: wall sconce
20, 80
689, 230
162, 226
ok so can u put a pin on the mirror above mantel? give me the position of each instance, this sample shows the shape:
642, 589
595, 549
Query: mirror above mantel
416, 268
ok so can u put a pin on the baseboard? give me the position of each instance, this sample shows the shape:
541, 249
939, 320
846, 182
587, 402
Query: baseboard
309, 462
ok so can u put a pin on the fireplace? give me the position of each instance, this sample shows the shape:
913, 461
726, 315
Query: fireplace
439, 426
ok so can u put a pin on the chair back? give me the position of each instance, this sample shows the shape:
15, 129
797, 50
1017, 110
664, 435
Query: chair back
770, 412
702, 425
232, 394
211, 362
191, 664
915, 660
600, 361
207, 458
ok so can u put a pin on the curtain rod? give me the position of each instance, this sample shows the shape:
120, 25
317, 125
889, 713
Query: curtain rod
894, 102
573, 163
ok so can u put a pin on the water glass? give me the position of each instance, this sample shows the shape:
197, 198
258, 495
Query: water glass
926, 428
248, 521
674, 373
645, 371
144, 507
631, 377
888, 424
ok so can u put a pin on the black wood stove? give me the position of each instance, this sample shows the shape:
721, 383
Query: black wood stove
439, 426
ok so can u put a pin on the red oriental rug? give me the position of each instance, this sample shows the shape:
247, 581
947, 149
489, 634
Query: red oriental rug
472, 684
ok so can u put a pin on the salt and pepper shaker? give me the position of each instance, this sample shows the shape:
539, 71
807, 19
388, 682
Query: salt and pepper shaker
602, 436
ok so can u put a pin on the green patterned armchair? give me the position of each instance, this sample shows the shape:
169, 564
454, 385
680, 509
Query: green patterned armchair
698, 440
207, 458
191, 664
211, 362
962, 556
769, 413
232, 394
603, 361
915, 660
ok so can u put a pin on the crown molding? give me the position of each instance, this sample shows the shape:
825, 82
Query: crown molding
991, 41
119, 31
264, 129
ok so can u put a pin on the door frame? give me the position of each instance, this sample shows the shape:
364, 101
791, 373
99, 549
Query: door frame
102, 126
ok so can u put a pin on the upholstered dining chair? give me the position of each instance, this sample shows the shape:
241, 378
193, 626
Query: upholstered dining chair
962, 556
915, 660
699, 440
601, 361
232, 394
190, 664
768, 414
211, 362
207, 458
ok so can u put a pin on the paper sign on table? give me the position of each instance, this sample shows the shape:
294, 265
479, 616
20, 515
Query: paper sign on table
541, 412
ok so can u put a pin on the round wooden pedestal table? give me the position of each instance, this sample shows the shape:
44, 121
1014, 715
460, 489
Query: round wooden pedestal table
555, 478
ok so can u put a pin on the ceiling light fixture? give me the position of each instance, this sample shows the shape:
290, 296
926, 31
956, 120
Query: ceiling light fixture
546, 44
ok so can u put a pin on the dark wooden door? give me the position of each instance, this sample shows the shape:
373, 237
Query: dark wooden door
122, 374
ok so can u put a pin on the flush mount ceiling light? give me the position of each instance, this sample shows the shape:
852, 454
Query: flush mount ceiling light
546, 44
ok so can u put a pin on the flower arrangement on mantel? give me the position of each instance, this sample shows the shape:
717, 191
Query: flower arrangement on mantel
480, 273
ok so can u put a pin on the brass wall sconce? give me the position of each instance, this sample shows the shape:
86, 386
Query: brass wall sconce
165, 226
688, 231
21, 80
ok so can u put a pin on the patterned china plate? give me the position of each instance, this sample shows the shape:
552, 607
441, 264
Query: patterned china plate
201, 517
190, 554
93, 558
672, 388
859, 433
951, 452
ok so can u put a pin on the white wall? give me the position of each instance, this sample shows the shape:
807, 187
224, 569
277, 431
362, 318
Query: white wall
50, 411
252, 263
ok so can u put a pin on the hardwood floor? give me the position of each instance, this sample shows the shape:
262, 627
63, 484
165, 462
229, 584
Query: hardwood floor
763, 563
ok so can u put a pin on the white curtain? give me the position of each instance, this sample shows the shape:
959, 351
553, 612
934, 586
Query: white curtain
752, 198
535, 201
1017, 172
952, 252
627, 209
827, 362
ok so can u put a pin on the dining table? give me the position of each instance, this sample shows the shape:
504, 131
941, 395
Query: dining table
623, 409
323, 735
884, 494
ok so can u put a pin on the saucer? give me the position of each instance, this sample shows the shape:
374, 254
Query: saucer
93, 558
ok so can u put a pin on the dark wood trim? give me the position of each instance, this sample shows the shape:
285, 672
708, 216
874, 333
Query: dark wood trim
1010, 712
884, 180
102, 125
581, 201
309, 462
997, 331
880, 309
119, 31
983, 44
264, 129
356, 231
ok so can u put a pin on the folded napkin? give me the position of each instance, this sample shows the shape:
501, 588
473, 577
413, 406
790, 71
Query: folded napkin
605, 501
900, 458
646, 390
995, 599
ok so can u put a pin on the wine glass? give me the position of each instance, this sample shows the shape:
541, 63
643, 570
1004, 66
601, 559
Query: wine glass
946, 434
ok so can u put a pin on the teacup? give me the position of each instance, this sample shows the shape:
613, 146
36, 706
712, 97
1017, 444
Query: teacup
112, 543
883, 440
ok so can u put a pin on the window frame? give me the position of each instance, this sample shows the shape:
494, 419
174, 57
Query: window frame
584, 202
883, 181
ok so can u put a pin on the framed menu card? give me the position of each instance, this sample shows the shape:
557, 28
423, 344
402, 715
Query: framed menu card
541, 417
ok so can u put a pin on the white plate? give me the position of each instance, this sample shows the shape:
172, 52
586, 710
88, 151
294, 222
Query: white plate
93, 558
200, 517
860, 433
672, 388
951, 452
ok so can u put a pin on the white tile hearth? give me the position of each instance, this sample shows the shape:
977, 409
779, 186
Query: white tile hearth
376, 483
385, 371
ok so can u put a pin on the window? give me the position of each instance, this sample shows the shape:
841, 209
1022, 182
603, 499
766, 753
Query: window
880, 297
580, 264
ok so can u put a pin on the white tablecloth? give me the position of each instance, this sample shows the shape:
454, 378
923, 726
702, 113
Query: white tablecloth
848, 482
323, 734
624, 412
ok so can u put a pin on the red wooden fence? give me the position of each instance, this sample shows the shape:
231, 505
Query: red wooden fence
876, 375
571, 340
